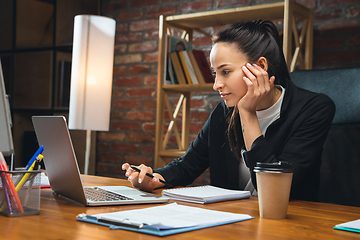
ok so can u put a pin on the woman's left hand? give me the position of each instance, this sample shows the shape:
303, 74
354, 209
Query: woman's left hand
258, 83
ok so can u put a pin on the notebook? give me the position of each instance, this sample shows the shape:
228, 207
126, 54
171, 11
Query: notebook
63, 171
204, 194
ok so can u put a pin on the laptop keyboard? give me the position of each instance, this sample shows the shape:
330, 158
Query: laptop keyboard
100, 195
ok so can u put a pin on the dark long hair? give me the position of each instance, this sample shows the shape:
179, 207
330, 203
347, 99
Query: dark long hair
255, 39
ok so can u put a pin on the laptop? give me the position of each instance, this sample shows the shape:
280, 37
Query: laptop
63, 171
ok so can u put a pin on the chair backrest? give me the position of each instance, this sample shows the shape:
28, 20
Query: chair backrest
340, 168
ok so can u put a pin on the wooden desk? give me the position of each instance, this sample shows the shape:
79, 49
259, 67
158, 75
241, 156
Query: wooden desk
57, 220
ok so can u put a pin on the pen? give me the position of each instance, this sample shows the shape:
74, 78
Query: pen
149, 175
123, 223
27, 175
33, 158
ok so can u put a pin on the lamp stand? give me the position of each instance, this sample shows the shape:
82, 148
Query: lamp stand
87, 151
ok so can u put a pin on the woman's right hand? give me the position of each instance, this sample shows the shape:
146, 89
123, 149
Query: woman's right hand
140, 180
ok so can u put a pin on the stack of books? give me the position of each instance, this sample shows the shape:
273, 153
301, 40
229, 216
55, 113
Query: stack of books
185, 65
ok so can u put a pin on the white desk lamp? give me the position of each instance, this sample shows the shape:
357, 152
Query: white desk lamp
91, 76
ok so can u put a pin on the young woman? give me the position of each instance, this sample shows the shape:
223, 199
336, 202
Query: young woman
264, 118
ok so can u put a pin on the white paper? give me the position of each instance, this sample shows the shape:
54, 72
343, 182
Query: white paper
174, 216
353, 224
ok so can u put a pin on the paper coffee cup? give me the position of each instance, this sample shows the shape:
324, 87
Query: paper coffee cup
273, 186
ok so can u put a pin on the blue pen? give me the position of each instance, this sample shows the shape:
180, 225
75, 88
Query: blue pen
33, 158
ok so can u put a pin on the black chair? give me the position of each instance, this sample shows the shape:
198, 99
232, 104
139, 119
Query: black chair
340, 168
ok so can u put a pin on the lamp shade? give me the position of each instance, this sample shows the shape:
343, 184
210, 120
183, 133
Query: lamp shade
91, 73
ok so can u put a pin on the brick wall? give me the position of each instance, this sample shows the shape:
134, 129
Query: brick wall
132, 132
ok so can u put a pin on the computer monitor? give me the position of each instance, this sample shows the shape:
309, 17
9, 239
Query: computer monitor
6, 141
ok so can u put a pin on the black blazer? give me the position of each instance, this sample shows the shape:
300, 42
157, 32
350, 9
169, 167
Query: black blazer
297, 137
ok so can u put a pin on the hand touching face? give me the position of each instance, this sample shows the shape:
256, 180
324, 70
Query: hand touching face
239, 82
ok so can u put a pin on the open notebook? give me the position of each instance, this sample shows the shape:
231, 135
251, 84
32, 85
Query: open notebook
63, 171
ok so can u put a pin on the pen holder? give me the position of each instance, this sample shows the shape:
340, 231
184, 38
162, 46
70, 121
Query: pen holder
20, 193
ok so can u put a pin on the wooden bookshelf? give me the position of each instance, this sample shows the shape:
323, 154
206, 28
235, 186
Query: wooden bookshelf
297, 47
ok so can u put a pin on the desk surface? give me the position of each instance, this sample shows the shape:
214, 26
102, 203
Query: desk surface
57, 220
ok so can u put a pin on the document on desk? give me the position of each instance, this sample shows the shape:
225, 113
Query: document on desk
353, 226
164, 220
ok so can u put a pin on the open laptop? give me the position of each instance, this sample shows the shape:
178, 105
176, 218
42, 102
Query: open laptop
63, 171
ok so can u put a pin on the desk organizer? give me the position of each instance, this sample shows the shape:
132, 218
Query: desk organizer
20, 193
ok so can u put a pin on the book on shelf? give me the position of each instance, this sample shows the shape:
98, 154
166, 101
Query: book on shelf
196, 68
203, 65
177, 68
190, 67
184, 67
204, 194
171, 72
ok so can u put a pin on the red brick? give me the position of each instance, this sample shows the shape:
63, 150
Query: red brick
230, 3
119, 70
107, 136
113, 6
199, 116
340, 26
139, 3
122, 27
120, 48
102, 147
156, 12
116, 115
330, 15
195, 6
202, 41
213, 103
102, 168
149, 127
143, 47
352, 12
137, 69
148, 149
150, 103
125, 148
117, 170
308, 3
109, 158
127, 103
140, 115
354, 41
128, 58
339, 57
150, 35
141, 92
150, 80
128, 37
137, 160
171, 1
330, 3
335, 42
130, 15
151, 57
196, 127
127, 81
125, 125
144, 25
117, 93
197, 103
141, 137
